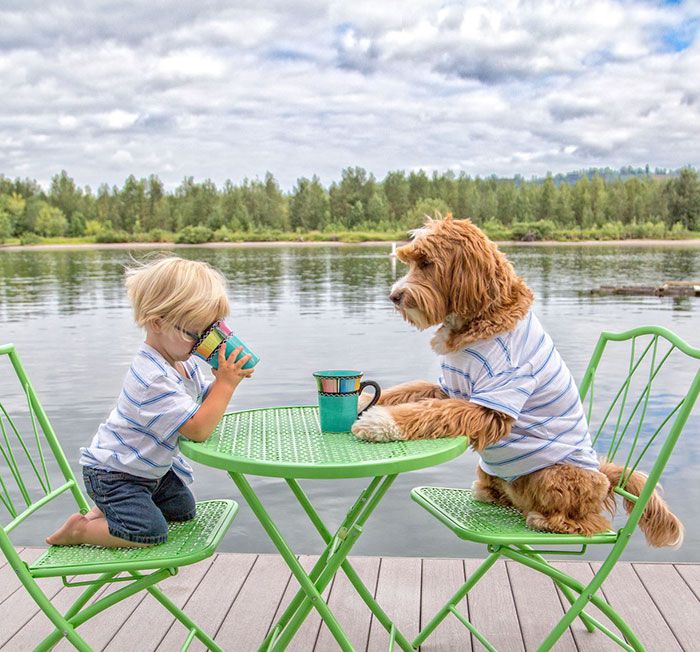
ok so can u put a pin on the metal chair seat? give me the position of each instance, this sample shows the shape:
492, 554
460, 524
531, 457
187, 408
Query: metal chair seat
188, 542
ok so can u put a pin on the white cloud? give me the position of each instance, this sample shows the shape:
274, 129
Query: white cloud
118, 119
122, 156
301, 87
190, 64
67, 122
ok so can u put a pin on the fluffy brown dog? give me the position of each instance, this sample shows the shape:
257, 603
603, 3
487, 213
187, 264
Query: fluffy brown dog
459, 279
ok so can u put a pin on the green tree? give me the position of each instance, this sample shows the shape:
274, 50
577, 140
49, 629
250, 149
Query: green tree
132, 204
5, 225
276, 204
684, 199
51, 222
15, 206
418, 187
309, 205
425, 208
265, 203
488, 203
198, 204
564, 213
506, 199
377, 210
467, 198
395, 186
597, 197
76, 225
64, 194
523, 205
580, 199
355, 187
233, 207
155, 213
547, 200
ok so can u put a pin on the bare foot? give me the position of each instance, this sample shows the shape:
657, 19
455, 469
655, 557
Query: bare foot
94, 513
70, 533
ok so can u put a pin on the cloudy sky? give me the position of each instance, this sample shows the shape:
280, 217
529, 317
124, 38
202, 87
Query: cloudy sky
233, 89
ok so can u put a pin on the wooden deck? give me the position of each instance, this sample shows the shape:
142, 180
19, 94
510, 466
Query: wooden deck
237, 596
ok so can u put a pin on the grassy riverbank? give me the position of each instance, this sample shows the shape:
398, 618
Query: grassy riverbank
540, 231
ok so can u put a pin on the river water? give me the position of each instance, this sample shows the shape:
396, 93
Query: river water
306, 308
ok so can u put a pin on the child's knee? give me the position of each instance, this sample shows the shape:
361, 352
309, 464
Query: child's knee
174, 499
144, 527
182, 508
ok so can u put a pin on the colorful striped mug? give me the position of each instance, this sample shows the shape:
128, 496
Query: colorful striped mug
338, 394
208, 345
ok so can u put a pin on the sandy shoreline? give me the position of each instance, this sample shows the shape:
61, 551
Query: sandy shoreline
679, 244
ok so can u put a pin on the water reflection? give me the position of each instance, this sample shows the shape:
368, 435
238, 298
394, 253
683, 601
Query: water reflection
305, 308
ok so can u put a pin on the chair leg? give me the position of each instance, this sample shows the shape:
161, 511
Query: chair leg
450, 604
568, 593
587, 594
64, 624
191, 626
63, 630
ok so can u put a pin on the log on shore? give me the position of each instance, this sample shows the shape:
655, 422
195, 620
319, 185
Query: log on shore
669, 289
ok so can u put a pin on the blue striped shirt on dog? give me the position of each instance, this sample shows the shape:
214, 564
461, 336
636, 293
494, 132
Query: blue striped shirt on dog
140, 435
521, 374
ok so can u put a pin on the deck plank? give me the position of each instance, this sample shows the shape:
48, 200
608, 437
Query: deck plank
39, 626
492, 608
691, 575
305, 638
212, 599
398, 593
100, 630
9, 582
150, 621
628, 596
3, 560
538, 606
352, 613
586, 641
440, 581
18, 607
673, 598
247, 622
236, 596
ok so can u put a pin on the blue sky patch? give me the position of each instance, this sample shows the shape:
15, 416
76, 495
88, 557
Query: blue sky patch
677, 39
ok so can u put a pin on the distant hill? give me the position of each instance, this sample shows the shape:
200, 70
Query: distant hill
607, 174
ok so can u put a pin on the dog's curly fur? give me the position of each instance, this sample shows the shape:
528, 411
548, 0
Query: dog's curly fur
459, 279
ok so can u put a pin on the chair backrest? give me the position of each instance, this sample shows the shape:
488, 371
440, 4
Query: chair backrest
648, 410
28, 468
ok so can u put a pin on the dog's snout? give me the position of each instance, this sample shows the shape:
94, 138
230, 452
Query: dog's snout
396, 297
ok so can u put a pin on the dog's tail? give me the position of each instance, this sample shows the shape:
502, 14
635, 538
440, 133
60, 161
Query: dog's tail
660, 525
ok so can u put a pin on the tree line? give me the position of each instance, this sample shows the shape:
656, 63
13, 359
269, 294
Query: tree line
144, 209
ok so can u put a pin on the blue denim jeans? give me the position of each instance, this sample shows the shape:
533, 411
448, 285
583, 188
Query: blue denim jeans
138, 509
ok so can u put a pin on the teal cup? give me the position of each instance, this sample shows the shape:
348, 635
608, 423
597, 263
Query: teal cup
338, 394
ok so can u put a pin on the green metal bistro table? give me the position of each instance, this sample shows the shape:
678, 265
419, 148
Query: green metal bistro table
287, 442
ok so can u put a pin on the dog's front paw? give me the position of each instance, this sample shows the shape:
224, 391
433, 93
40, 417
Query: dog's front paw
377, 424
364, 400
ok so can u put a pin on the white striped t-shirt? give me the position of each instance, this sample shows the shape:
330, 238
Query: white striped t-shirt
140, 435
521, 374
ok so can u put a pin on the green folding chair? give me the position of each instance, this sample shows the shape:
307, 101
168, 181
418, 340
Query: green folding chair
29, 481
628, 431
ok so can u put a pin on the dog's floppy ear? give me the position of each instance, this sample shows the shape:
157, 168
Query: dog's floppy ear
475, 270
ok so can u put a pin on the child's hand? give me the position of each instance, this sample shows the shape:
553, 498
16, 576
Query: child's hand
230, 371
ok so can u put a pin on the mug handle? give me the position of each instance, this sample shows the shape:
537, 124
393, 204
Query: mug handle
377, 394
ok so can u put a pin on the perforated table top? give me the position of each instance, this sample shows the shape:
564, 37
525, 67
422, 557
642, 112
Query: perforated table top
287, 442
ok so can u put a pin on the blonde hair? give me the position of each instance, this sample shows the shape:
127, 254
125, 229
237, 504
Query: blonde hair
185, 293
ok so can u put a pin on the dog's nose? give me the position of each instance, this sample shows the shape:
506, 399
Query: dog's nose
396, 297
